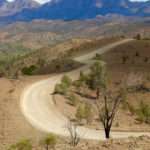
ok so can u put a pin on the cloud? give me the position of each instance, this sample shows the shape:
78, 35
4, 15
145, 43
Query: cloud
39, 1
45, 1
42, 1
139, 0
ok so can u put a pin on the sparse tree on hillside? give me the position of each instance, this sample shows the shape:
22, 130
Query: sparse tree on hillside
80, 84
74, 136
63, 87
66, 80
88, 114
72, 99
107, 109
80, 113
84, 111
49, 142
97, 77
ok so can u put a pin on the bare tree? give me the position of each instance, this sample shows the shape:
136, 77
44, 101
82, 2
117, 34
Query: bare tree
74, 137
107, 109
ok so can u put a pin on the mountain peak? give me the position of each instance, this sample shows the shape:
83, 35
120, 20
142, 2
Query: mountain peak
75, 9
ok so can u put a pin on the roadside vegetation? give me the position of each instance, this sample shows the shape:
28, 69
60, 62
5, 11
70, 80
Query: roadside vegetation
96, 99
46, 143
106, 102
93, 91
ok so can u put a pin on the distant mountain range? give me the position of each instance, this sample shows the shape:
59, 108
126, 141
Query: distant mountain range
27, 10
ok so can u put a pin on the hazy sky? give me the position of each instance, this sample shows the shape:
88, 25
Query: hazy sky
44, 1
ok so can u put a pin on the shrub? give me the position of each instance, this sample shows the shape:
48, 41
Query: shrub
49, 142
62, 88
144, 113
66, 80
84, 111
81, 81
72, 100
98, 57
80, 114
77, 84
88, 115
97, 77
29, 70
22, 145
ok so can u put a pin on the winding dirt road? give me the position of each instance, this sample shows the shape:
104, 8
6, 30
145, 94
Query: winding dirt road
38, 107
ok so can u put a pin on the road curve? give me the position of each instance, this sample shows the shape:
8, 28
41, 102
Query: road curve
39, 109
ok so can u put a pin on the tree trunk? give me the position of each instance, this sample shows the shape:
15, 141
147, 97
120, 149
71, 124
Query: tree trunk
47, 147
97, 93
107, 133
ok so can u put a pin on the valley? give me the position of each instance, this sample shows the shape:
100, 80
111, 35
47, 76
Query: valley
74, 75
15, 87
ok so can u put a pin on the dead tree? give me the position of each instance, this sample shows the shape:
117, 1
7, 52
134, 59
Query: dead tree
74, 137
107, 109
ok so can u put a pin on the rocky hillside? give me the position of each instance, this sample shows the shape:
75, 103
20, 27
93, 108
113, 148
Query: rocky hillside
78, 9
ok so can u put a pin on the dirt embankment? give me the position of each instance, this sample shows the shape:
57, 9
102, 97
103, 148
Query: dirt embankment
13, 126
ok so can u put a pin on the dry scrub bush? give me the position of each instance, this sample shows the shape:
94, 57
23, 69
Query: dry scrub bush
21, 145
63, 87
49, 142
84, 112
74, 136
143, 113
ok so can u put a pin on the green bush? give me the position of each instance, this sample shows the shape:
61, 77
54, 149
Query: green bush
29, 70
72, 100
49, 142
66, 80
80, 114
63, 87
144, 113
88, 115
81, 81
22, 145
97, 76
77, 84
84, 111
